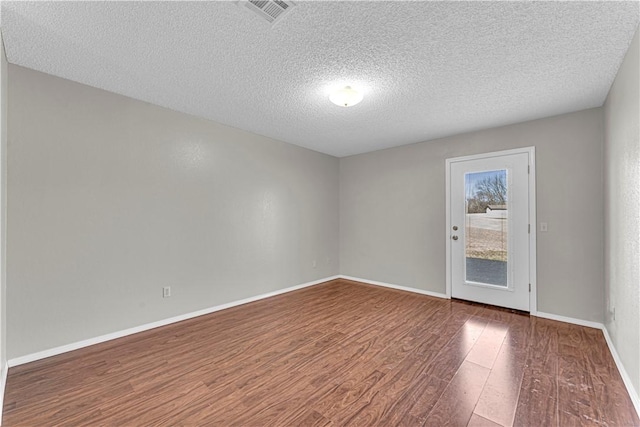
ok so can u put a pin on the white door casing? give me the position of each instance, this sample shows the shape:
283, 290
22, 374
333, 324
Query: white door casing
507, 277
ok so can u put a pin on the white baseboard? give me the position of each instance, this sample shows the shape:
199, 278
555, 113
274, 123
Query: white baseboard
114, 335
3, 385
633, 393
389, 285
85, 343
587, 323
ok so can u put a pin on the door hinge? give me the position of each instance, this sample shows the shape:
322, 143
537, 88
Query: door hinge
529, 287
528, 169
529, 229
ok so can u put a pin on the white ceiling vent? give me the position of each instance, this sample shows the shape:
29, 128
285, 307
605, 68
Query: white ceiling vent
271, 10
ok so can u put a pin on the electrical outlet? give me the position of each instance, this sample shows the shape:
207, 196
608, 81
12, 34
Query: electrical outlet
166, 292
543, 227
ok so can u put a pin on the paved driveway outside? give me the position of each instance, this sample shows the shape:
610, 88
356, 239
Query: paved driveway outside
487, 271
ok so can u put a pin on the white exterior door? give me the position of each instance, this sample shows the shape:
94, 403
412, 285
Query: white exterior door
489, 228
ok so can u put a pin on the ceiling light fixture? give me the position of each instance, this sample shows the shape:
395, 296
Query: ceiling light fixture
345, 97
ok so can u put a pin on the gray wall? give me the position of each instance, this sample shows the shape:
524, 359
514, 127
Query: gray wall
3, 205
392, 210
110, 199
622, 212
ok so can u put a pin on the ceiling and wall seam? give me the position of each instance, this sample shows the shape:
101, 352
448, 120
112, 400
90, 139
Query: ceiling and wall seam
427, 69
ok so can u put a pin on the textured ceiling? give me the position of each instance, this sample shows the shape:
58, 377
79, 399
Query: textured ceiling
428, 69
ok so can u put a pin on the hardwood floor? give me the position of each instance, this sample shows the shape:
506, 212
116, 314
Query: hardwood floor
340, 353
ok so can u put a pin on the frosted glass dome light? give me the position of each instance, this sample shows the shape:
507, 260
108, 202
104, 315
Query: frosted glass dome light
345, 97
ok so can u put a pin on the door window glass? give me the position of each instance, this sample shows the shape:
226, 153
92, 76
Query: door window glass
486, 227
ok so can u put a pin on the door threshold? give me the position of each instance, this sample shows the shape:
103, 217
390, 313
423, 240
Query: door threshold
492, 307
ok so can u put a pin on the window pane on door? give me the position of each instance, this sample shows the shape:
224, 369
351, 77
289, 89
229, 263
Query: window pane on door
486, 226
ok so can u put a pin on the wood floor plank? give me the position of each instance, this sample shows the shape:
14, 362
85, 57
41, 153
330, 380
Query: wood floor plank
451, 356
499, 398
455, 406
543, 356
478, 421
427, 399
614, 404
377, 401
308, 418
347, 393
538, 400
486, 348
421, 396
574, 381
339, 353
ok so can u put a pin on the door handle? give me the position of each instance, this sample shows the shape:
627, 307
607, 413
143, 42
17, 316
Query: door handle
454, 237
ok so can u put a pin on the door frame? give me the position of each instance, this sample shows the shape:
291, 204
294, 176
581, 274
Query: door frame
533, 306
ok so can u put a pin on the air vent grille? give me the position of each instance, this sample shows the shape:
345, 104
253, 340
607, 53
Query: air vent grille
271, 10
